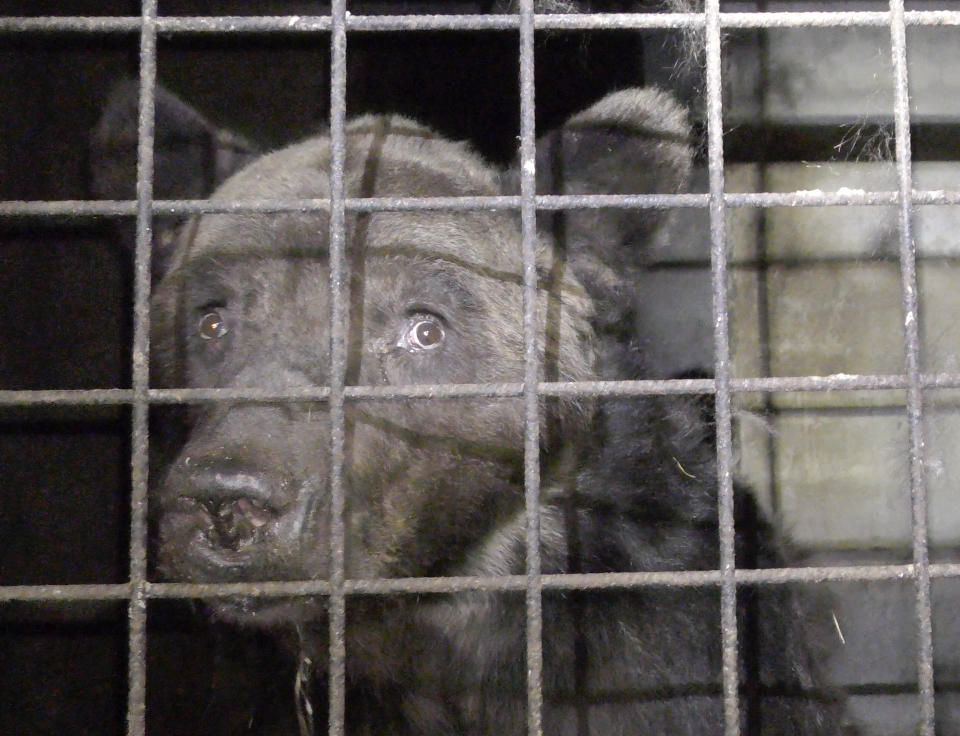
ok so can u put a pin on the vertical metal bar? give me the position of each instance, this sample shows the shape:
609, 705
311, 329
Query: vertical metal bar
139, 463
764, 316
908, 276
718, 259
338, 362
531, 446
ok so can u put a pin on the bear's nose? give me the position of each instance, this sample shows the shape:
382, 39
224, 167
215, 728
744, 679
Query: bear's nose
236, 500
236, 521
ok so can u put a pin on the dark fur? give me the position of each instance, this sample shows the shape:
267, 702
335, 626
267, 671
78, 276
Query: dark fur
434, 487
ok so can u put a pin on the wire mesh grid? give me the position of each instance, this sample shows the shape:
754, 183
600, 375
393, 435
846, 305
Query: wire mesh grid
339, 23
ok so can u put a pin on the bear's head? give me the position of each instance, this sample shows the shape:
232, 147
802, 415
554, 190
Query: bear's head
430, 297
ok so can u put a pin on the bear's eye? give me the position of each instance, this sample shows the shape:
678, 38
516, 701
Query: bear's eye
424, 333
212, 326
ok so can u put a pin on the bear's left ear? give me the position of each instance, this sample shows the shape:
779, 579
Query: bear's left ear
191, 156
636, 141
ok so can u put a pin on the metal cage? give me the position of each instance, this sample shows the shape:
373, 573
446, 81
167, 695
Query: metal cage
712, 23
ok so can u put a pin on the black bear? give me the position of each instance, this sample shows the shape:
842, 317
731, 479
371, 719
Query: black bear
434, 486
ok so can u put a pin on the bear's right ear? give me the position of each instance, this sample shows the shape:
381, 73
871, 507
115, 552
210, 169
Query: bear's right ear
191, 157
635, 141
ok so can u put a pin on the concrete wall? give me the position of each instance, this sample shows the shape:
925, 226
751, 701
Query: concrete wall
817, 291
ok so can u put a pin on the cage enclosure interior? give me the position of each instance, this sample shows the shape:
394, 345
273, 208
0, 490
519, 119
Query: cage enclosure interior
472, 367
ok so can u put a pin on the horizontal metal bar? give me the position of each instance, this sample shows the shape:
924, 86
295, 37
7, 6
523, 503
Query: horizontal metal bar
294, 24
572, 21
545, 202
41, 208
648, 387
843, 197
84, 592
825, 19
507, 583
81, 24
256, 589
66, 397
68, 208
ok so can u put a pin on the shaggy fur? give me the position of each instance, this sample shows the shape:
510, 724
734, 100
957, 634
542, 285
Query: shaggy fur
434, 487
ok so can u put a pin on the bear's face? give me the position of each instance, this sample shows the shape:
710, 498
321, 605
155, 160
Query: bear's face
433, 486
432, 297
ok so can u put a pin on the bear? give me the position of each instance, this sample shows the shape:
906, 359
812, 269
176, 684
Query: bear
435, 486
